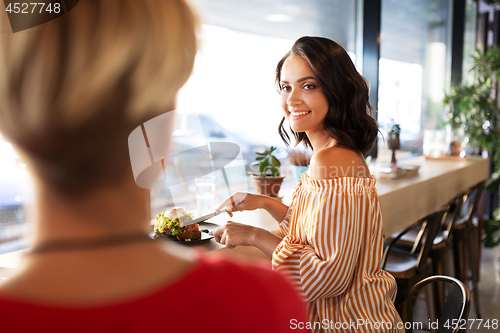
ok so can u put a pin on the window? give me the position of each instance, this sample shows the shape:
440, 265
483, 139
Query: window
231, 92
469, 39
414, 70
15, 186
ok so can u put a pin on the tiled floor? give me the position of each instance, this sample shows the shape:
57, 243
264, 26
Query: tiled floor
489, 291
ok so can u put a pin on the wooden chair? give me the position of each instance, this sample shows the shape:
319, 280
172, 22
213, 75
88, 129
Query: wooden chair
409, 267
466, 237
456, 307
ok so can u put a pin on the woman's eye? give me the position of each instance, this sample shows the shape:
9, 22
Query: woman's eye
285, 88
308, 87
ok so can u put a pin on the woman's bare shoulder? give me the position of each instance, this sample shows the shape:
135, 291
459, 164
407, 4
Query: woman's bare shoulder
336, 162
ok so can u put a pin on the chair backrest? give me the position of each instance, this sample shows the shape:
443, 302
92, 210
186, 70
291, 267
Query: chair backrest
478, 192
456, 307
471, 202
428, 231
454, 214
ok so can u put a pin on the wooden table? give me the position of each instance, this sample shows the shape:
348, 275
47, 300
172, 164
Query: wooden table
407, 200
403, 201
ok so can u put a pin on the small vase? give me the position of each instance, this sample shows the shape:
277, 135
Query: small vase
298, 170
269, 186
393, 142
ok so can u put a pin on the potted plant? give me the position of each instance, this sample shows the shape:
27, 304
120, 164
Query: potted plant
299, 159
473, 109
268, 180
393, 141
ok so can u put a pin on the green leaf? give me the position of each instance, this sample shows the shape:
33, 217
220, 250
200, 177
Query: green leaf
470, 105
274, 171
492, 231
267, 162
263, 165
494, 182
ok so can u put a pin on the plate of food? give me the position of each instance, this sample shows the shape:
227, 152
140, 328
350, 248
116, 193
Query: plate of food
168, 224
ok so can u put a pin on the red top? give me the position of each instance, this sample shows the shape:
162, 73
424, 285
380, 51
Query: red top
217, 295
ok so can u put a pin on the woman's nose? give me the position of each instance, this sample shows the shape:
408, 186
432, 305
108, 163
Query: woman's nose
294, 99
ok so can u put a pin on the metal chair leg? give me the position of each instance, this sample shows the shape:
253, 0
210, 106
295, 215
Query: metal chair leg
459, 257
406, 312
472, 260
430, 298
438, 269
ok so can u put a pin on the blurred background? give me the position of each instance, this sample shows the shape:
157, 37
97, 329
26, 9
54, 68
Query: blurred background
409, 51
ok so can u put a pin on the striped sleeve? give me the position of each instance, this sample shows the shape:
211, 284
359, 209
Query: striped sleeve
324, 264
284, 225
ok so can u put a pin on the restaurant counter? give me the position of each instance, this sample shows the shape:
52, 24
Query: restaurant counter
407, 200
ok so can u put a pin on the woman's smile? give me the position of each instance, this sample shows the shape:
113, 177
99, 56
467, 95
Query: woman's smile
298, 114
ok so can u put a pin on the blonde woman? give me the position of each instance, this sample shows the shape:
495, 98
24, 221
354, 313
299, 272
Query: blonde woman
71, 91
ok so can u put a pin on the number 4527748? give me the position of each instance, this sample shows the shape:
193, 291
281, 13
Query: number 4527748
471, 323
33, 7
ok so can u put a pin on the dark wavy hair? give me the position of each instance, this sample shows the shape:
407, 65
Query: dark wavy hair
349, 119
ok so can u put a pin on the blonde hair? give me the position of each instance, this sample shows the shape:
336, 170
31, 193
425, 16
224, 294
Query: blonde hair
72, 89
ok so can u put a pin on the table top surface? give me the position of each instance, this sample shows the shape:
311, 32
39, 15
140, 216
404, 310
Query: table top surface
404, 201
432, 169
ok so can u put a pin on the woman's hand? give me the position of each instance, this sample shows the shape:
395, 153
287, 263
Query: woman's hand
235, 234
241, 201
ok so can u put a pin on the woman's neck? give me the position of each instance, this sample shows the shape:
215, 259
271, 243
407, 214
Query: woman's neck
106, 211
320, 139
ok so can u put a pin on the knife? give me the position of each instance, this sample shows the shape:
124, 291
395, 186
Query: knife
204, 217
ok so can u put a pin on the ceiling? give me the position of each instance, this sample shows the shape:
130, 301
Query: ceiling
407, 25
329, 18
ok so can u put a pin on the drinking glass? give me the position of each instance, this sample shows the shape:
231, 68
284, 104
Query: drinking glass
205, 193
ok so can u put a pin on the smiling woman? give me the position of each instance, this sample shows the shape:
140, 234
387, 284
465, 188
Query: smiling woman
330, 249
330, 238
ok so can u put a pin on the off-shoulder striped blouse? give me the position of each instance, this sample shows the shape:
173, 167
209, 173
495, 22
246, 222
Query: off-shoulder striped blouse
331, 251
